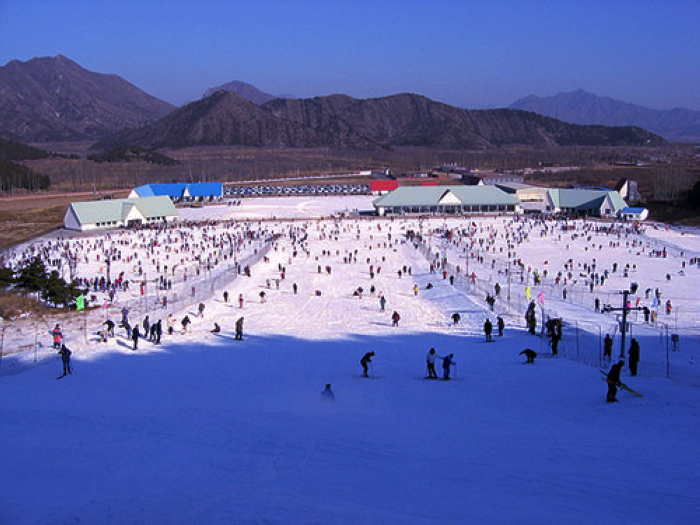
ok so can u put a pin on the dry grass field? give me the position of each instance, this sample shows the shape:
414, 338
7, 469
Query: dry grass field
25, 217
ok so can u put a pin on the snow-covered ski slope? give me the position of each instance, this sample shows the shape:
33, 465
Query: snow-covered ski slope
206, 429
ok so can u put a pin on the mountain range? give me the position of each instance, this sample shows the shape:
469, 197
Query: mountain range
54, 99
340, 121
581, 107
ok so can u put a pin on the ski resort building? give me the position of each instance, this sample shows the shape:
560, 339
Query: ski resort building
634, 214
594, 203
456, 200
119, 213
182, 192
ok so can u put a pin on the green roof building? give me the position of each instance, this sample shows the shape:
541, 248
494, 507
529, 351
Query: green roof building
446, 200
97, 215
594, 203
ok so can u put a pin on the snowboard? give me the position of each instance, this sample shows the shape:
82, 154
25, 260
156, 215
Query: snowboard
622, 385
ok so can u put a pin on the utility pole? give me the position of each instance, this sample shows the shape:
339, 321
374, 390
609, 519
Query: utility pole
625, 309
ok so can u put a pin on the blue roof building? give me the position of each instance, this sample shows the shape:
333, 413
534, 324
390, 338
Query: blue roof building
188, 192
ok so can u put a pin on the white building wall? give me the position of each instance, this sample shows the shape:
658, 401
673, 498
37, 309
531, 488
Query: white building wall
70, 221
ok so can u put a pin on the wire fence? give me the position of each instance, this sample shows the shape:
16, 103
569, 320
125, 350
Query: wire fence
662, 351
26, 343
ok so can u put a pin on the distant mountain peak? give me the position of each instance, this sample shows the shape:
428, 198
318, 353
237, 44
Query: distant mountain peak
582, 107
47, 99
247, 91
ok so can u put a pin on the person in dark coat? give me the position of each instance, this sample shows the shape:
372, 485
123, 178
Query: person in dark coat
239, 329
159, 331
146, 326
447, 362
109, 325
135, 337
216, 329
633, 356
456, 318
185, 323
607, 346
488, 328
366, 359
501, 325
529, 354
65, 359
614, 381
327, 394
395, 318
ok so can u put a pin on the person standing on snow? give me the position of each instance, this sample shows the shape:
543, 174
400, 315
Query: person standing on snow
501, 325
613, 379
382, 301
239, 329
447, 361
57, 334
607, 346
395, 318
65, 359
366, 359
456, 318
327, 394
488, 328
135, 337
430, 362
633, 356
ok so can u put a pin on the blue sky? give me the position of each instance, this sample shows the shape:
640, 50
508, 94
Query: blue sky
468, 53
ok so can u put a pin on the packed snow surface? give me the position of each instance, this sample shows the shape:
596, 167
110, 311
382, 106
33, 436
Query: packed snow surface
207, 429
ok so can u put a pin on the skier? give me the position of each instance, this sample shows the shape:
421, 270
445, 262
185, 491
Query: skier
447, 361
530, 354
614, 381
109, 325
295, 288
135, 337
226, 296
170, 322
57, 334
382, 301
159, 331
262, 297
185, 324
366, 359
633, 356
415, 289
146, 326
239, 329
240, 300
216, 328
455, 318
501, 325
65, 359
395, 318
200, 310
607, 346
327, 394
430, 361
488, 328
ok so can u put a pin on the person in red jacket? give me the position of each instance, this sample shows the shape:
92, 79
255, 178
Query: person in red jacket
57, 337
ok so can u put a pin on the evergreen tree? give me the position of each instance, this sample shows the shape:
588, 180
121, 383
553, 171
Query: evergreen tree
7, 277
32, 277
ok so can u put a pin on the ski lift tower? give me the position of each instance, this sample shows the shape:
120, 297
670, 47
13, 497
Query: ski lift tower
625, 309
